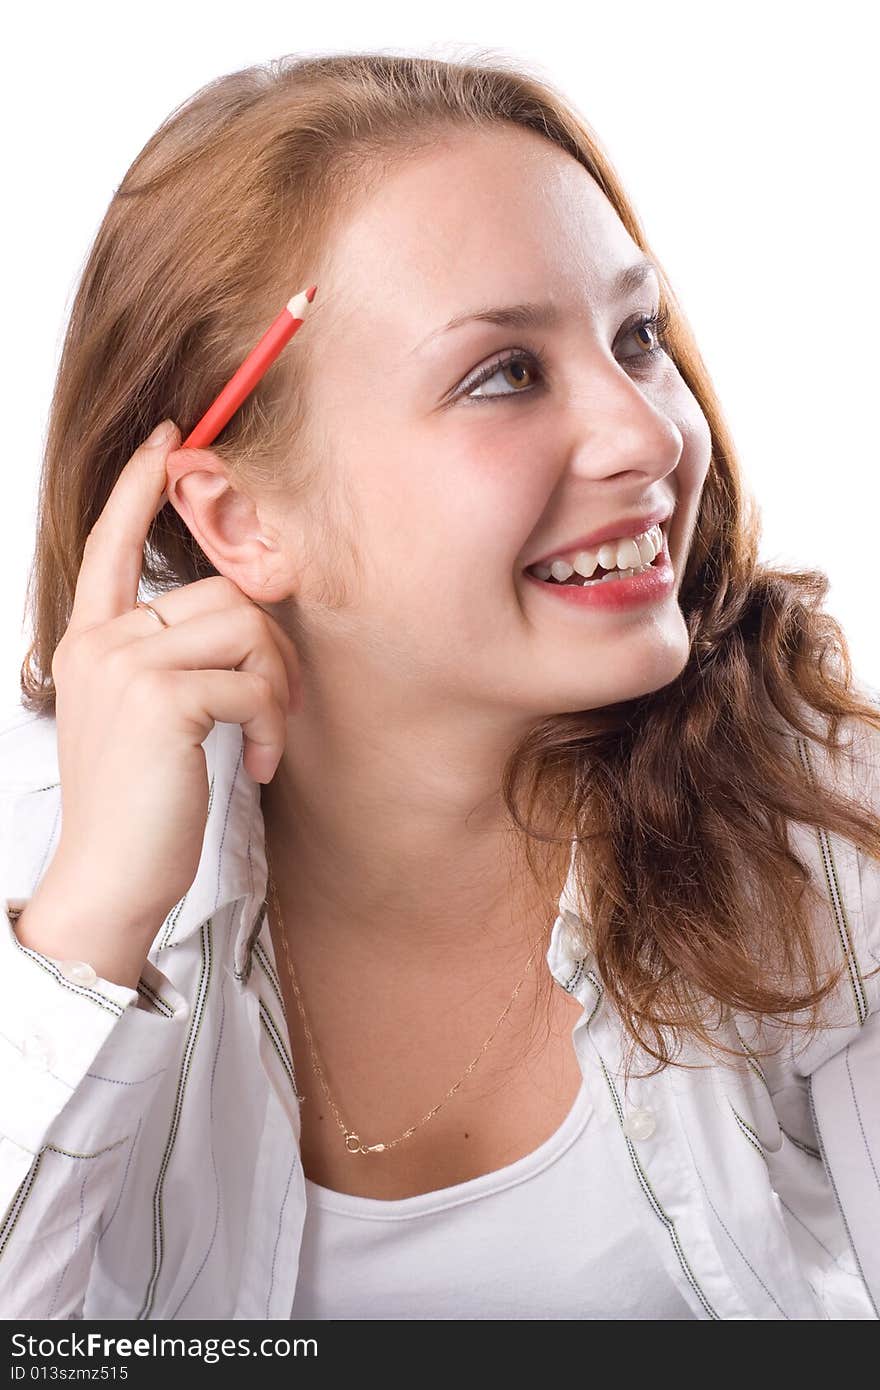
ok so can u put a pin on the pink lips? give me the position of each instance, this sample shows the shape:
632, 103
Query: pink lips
649, 586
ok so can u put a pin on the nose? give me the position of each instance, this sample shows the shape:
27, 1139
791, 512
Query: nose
614, 429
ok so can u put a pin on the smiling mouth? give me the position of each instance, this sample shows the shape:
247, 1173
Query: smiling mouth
601, 575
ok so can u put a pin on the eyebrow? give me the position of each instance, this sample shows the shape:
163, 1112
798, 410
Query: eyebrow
534, 314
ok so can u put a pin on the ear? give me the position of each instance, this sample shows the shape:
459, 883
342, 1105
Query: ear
225, 522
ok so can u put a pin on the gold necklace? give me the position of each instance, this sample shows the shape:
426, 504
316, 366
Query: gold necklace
352, 1140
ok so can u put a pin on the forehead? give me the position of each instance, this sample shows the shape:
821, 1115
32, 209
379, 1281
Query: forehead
478, 217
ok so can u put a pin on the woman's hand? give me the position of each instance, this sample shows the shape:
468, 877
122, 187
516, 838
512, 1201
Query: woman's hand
134, 703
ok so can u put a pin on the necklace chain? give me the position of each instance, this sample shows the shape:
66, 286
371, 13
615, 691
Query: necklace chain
352, 1140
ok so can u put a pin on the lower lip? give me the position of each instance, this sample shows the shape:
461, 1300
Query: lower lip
655, 583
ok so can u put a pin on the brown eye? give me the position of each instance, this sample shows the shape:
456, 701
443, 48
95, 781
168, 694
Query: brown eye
645, 335
519, 370
650, 333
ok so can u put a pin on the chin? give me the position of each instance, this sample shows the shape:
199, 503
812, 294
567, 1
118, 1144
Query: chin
660, 669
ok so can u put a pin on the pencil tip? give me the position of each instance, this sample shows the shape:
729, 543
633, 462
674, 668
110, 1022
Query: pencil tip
310, 294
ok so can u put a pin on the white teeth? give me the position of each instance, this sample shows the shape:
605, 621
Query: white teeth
626, 556
647, 548
615, 574
585, 562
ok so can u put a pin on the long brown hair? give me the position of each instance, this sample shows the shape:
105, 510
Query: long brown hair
692, 897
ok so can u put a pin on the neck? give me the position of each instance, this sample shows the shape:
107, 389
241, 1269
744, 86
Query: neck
387, 830
408, 880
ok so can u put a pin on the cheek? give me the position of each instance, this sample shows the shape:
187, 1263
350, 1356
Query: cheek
493, 486
696, 448
690, 479
465, 507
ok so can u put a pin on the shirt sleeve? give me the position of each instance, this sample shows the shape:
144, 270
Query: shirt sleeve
81, 1059
842, 1065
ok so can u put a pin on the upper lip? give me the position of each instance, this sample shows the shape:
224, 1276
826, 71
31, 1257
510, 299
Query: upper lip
615, 530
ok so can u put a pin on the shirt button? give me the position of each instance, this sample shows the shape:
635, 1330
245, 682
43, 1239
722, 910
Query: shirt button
78, 971
37, 1051
639, 1124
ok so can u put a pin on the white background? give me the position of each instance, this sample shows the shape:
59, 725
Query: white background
746, 136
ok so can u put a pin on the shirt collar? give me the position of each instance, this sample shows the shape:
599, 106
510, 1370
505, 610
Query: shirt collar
232, 871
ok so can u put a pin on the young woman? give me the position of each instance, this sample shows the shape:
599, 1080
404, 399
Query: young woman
458, 894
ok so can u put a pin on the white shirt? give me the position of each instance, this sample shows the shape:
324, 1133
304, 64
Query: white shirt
549, 1236
149, 1138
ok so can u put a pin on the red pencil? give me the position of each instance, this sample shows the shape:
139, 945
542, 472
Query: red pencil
254, 366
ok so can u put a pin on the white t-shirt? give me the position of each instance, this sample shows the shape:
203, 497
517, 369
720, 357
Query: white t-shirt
549, 1236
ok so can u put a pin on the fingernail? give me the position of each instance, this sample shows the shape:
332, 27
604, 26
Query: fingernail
161, 433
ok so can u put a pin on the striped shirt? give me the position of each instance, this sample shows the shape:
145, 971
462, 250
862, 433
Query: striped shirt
149, 1138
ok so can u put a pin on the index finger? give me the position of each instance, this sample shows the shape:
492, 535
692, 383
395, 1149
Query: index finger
107, 584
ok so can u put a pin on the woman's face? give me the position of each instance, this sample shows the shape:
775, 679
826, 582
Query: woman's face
443, 492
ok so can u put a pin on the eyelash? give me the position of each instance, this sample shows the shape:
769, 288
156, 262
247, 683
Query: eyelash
659, 321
